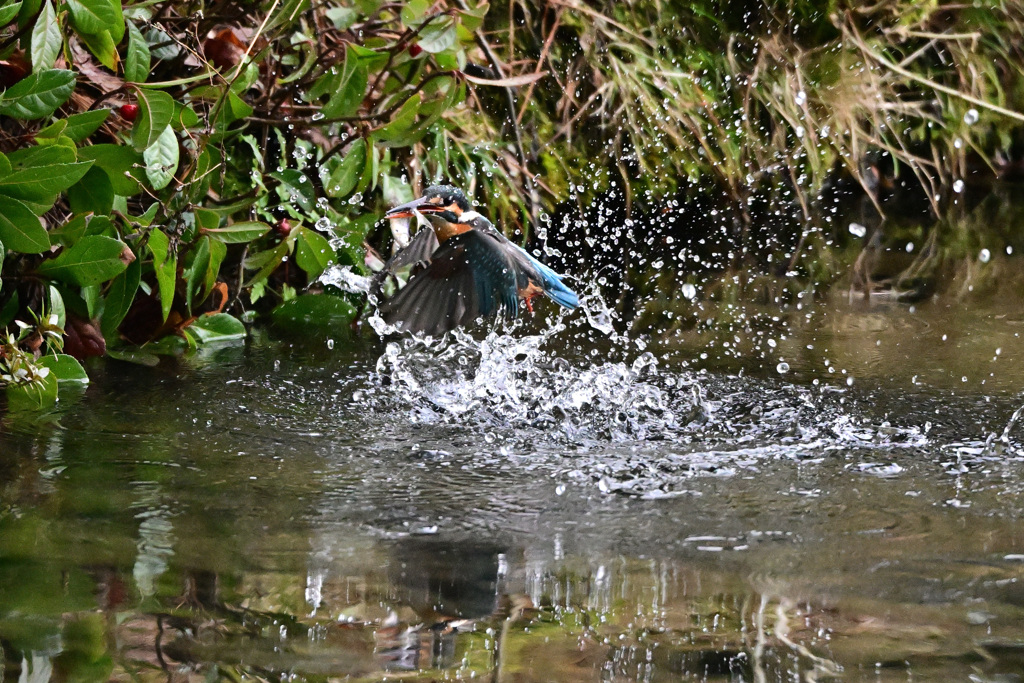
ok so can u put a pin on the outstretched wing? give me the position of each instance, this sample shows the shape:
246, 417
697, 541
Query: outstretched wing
469, 276
419, 250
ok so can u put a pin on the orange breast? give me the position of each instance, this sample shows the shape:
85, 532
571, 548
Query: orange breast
449, 230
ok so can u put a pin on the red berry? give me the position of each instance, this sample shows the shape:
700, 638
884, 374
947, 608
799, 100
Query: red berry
415, 50
129, 111
284, 227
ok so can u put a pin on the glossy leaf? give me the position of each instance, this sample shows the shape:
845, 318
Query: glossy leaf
237, 233
65, 368
137, 59
345, 177
20, 229
195, 273
103, 47
47, 39
161, 159
156, 110
121, 164
94, 259
120, 297
93, 16
38, 95
46, 176
92, 194
8, 12
313, 252
165, 264
78, 127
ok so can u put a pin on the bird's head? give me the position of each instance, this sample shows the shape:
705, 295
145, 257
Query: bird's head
446, 201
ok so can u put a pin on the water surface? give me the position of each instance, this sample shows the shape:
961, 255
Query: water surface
532, 508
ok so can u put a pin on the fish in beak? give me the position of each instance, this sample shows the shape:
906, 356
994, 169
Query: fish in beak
421, 204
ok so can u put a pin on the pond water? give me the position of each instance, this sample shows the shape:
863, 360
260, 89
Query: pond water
843, 501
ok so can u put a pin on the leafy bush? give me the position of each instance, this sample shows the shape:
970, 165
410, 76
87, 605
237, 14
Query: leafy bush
171, 170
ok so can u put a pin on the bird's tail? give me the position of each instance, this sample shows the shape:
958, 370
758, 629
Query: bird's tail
552, 284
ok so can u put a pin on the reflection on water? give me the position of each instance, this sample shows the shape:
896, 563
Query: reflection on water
507, 510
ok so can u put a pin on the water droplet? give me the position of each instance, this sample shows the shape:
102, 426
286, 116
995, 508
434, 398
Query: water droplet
910, 247
958, 186
971, 117
858, 230
689, 291
330, 343
984, 255
782, 368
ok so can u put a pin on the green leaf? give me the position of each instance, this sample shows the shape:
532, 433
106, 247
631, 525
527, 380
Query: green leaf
69, 233
266, 262
438, 36
94, 259
120, 297
156, 109
55, 305
120, 162
102, 46
195, 273
47, 39
313, 252
165, 264
348, 95
344, 178
295, 189
161, 159
38, 95
3, 255
78, 127
92, 194
43, 174
221, 327
93, 16
401, 123
8, 13
65, 368
237, 233
40, 394
20, 229
138, 58
322, 311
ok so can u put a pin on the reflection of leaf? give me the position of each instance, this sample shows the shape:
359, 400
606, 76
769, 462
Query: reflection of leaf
314, 310
217, 328
40, 394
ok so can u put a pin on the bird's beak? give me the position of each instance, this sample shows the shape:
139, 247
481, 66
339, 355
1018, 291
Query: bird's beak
409, 208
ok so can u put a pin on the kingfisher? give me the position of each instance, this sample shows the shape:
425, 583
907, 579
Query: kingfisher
462, 268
